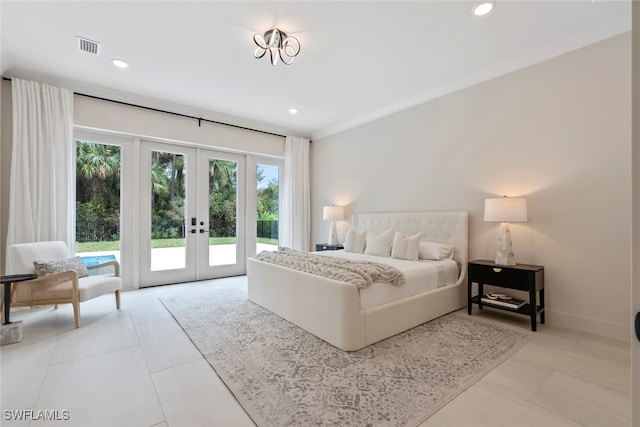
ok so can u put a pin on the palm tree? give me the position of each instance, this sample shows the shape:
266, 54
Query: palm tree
221, 171
167, 173
159, 181
168, 194
97, 191
96, 163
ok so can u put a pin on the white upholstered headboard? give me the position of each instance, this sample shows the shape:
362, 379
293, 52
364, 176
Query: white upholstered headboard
451, 228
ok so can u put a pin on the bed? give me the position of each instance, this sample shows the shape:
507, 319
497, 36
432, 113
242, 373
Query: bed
333, 311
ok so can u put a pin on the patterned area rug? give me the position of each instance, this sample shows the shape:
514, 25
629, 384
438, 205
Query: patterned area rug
285, 376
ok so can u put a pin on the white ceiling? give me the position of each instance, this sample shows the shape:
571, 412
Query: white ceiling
359, 60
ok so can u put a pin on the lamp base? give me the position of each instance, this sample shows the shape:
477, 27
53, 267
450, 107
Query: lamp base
504, 253
333, 233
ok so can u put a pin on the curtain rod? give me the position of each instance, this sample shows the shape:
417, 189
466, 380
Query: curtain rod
199, 119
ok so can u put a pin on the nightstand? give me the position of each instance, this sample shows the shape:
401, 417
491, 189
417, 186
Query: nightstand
328, 247
522, 277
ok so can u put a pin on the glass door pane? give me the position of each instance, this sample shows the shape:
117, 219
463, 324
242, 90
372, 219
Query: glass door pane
221, 213
268, 203
168, 198
98, 177
223, 201
167, 212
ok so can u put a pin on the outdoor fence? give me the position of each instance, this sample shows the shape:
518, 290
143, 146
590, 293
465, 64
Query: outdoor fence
268, 229
98, 230
108, 229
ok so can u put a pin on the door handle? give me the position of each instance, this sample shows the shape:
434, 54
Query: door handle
193, 231
638, 325
202, 231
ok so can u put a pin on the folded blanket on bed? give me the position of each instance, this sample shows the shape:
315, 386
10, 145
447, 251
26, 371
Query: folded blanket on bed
359, 273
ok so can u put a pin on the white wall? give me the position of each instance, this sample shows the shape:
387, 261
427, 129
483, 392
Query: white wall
95, 114
557, 133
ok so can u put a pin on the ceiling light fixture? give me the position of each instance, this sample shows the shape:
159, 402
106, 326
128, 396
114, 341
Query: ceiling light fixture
279, 45
119, 63
293, 111
482, 8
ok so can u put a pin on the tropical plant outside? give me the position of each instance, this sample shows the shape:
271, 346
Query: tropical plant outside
97, 192
267, 204
98, 200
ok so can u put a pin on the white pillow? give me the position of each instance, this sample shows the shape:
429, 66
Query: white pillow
435, 251
379, 245
406, 247
355, 242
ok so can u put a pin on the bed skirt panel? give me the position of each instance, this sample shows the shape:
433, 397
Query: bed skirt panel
326, 308
393, 318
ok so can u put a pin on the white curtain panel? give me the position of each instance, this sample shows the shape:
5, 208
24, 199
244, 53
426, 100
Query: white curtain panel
295, 219
42, 164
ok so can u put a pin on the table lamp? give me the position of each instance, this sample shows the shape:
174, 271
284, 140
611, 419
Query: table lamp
333, 213
504, 210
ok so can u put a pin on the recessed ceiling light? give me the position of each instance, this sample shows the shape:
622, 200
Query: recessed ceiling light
483, 8
120, 63
293, 111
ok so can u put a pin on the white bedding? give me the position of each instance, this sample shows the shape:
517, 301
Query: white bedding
420, 276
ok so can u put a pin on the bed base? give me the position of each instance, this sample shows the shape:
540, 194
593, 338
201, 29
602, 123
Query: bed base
330, 309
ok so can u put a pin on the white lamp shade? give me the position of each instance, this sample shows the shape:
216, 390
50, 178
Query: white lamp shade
505, 209
333, 212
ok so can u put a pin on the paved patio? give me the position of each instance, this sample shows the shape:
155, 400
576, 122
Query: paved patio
174, 258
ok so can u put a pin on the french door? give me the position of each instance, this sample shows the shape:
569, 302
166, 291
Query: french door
192, 214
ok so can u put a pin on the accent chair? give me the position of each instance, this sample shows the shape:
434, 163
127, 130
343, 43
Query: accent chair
59, 280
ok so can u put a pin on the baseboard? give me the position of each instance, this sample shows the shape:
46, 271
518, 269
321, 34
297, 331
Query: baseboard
589, 325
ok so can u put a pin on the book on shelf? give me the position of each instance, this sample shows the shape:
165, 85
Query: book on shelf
502, 300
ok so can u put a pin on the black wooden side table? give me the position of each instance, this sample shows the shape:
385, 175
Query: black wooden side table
522, 277
7, 281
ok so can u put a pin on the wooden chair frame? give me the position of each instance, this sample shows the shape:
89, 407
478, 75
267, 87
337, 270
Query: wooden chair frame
65, 286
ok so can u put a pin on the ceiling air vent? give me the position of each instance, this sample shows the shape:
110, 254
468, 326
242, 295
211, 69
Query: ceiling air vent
89, 46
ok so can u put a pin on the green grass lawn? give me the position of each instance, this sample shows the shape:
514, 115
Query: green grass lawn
160, 243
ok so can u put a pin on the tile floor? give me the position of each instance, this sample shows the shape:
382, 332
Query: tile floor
135, 367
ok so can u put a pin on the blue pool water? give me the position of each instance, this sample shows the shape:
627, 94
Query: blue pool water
98, 259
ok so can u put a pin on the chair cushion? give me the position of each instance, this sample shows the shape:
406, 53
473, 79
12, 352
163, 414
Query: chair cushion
94, 286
